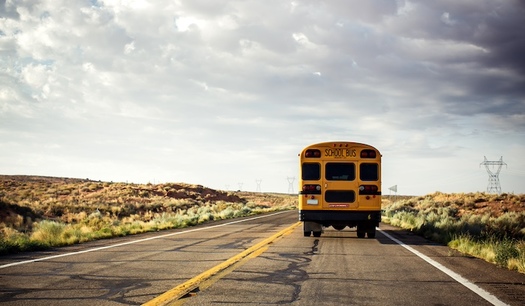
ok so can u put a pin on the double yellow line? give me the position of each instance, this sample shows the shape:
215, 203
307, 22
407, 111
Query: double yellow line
185, 288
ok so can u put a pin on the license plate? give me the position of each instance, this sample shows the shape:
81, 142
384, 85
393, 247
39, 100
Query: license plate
338, 205
312, 201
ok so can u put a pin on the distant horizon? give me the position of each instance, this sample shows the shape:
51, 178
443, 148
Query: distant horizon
233, 190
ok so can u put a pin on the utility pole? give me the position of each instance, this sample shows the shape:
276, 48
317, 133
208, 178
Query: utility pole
494, 185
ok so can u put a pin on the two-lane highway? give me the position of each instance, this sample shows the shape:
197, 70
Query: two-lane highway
335, 269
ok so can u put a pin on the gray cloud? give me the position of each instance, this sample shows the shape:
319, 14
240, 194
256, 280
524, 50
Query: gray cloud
115, 83
8, 10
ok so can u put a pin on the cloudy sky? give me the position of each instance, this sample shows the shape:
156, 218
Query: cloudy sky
226, 93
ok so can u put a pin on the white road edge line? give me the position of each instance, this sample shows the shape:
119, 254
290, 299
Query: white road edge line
460, 279
134, 241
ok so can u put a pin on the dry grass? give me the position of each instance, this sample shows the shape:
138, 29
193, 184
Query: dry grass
487, 226
39, 212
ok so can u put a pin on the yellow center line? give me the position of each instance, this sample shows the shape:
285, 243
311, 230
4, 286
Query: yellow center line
186, 287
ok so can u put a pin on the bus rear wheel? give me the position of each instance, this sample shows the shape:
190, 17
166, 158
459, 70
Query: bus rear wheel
307, 234
371, 232
361, 232
317, 234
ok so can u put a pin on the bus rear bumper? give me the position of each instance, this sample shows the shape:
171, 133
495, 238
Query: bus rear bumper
339, 216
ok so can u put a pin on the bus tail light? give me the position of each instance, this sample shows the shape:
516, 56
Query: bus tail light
368, 154
312, 153
369, 190
311, 189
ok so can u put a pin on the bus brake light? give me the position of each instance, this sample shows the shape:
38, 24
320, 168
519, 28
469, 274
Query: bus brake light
369, 190
311, 189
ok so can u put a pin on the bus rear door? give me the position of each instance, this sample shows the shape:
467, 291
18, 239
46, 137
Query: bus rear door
340, 185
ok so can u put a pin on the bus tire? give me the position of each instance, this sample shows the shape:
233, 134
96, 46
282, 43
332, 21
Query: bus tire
361, 232
307, 234
317, 234
371, 233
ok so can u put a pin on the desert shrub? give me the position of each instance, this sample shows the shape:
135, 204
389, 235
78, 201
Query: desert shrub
508, 225
188, 220
407, 219
206, 216
144, 193
518, 263
48, 232
505, 251
11, 240
72, 236
245, 211
14, 242
96, 221
6, 246
94, 186
473, 224
227, 213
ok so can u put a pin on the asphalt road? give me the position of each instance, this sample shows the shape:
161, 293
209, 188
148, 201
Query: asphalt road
335, 269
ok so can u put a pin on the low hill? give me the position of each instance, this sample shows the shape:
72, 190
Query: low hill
27, 202
478, 203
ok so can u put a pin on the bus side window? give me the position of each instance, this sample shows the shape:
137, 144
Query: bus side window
368, 172
311, 171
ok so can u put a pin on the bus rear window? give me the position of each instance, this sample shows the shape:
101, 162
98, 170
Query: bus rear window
368, 172
311, 171
340, 171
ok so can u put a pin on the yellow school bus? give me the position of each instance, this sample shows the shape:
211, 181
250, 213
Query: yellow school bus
340, 186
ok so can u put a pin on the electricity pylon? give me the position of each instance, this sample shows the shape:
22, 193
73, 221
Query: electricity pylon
290, 184
494, 185
258, 185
